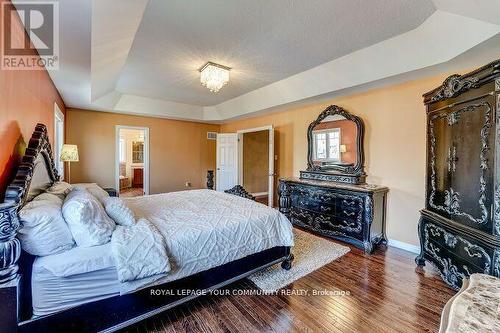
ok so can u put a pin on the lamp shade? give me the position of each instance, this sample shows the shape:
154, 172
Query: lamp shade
69, 153
343, 149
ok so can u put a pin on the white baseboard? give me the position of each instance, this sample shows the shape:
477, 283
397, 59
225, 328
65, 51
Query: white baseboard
404, 246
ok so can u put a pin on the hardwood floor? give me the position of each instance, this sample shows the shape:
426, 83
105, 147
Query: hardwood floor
263, 199
131, 192
387, 294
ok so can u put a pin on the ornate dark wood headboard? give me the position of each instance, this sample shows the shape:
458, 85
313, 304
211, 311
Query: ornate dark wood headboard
37, 170
36, 173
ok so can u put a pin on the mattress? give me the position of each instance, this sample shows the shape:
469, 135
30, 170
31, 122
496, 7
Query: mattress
69, 279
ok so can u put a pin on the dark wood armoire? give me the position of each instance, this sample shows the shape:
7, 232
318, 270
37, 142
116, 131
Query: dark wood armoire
459, 228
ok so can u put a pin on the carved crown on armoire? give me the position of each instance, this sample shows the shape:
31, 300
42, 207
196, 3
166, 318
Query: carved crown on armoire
459, 228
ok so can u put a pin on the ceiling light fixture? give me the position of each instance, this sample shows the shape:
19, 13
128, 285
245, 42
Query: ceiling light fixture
214, 76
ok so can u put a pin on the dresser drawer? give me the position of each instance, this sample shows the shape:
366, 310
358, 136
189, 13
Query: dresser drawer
301, 201
302, 217
325, 224
315, 194
345, 226
457, 255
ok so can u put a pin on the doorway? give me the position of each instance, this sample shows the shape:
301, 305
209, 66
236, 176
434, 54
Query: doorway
256, 162
132, 161
246, 158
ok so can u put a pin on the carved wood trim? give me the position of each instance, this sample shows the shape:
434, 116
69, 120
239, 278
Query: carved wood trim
457, 84
10, 248
38, 145
240, 191
16, 196
450, 272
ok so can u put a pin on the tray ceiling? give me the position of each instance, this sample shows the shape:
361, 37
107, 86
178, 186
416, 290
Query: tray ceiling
141, 57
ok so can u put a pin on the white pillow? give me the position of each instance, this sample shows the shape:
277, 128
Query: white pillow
95, 190
119, 211
88, 222
43, 229
51, 198
61, 189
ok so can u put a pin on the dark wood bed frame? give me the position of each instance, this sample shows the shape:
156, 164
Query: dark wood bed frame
105, 315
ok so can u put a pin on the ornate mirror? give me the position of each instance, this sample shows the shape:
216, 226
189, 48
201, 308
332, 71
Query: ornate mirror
335, 147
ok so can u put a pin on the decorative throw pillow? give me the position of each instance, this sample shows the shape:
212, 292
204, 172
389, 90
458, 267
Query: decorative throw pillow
61, 189
43, 229
88, 222
119, 211
95, 190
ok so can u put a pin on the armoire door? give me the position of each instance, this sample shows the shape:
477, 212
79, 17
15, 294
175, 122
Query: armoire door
464, 155
440, 140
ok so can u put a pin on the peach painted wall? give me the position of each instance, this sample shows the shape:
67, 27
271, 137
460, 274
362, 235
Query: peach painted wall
179, 150
27, 97
394, 145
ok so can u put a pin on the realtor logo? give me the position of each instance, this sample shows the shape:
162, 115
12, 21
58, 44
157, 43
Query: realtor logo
38, 47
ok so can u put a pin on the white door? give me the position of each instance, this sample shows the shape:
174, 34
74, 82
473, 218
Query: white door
227, 161
271, 167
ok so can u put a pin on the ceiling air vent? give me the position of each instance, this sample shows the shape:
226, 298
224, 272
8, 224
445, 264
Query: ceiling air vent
212, 135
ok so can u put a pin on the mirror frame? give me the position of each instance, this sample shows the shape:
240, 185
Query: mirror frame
356, 170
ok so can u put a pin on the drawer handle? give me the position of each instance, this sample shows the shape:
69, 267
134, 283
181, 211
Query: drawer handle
325, 209
349, 203
349, 213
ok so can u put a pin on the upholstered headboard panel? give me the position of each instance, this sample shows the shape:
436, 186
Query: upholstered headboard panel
37, 170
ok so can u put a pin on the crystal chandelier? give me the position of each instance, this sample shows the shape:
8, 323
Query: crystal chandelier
214, 76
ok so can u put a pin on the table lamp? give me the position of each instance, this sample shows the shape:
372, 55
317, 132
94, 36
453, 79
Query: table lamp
69, 153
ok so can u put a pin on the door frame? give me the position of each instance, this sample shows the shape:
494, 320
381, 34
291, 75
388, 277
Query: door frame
271, 173
217, 157
59, 139
146, 156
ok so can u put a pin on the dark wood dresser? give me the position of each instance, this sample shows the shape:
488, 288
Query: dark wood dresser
351, 213
459, 228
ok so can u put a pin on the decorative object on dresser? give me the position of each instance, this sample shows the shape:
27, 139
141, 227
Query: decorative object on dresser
459, 228
330, 197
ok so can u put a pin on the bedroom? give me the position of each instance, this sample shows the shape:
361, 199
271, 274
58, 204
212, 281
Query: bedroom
368, 180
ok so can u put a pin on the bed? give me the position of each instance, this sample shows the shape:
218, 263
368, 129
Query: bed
212, 239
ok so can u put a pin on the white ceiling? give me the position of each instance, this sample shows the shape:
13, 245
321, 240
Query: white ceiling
141, 57
263, 41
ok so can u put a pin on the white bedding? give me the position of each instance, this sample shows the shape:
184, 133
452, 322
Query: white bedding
202, 229
205, 228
